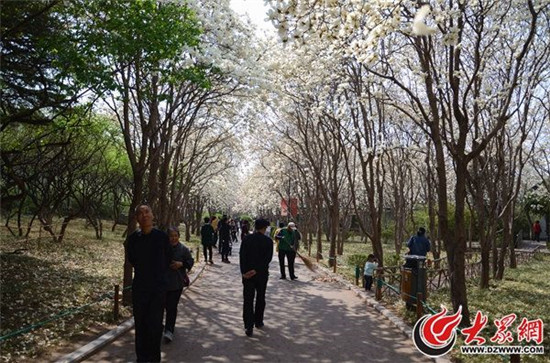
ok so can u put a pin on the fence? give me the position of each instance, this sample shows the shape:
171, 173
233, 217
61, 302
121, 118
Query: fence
67, 312
437, 273
115, 296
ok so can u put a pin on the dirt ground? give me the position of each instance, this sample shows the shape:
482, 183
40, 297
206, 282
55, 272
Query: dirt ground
306, 320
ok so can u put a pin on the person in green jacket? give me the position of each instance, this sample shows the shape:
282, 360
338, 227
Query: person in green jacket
207, 239
287, 247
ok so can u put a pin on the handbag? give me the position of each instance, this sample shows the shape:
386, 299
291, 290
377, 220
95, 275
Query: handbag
185, 279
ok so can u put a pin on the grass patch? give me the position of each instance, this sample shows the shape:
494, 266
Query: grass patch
47, 278
524, 291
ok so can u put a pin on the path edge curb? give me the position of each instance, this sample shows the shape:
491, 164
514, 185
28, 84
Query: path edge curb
95, 345
394, 319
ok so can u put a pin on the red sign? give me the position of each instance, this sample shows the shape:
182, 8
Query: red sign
293, 207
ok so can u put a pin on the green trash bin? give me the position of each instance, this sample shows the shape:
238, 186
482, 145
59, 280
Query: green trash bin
413, 279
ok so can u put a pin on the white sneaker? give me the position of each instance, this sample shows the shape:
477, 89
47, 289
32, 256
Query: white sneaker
168, 336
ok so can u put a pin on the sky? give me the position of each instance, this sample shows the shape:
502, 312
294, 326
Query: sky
256, 11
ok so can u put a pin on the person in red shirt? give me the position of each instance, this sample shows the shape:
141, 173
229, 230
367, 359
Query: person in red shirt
536, 231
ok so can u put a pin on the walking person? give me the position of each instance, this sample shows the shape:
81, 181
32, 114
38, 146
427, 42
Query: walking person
287, 239
536, 231
149, 252
233, 235
268, 231
275, 238
255, 255
245, 229
214, 221
182, 262
207, 240
370, 266
225, 235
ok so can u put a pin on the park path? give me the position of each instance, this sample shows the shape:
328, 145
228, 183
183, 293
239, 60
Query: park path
312, 319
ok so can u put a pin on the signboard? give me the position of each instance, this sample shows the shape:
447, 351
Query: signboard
293, 207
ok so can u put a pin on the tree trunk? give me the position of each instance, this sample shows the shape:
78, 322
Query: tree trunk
64, 225
507, 219
19, 224
514, 239
334, 223
432, 180
46, 222
319, 237
99, 235
187, 225
485, 264
456, 262
494, 256
132, 223
340, 243
29, 226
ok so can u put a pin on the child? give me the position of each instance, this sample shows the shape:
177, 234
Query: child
370, 266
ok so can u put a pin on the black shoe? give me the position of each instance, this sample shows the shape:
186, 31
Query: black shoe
248, 332
294, 277
282, 278
212, 262
259, 325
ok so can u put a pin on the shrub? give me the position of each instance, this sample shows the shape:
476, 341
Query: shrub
357, 260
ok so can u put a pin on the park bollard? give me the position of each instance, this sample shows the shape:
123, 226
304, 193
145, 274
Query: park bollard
357, 275
198, 255
115, 307
419, 306
334, 265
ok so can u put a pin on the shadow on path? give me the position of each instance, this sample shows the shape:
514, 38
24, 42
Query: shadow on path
305, 321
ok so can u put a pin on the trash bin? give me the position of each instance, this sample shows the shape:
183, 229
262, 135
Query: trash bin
413, 279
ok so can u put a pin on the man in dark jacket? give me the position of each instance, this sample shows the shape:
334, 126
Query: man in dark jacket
419, 245
207, 239
148, 250
255, 255
225, 235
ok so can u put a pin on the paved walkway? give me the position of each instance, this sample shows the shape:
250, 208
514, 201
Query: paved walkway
534, 245
525, 245
306, 320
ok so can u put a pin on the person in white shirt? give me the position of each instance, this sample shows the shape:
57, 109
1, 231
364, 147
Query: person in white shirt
370, 266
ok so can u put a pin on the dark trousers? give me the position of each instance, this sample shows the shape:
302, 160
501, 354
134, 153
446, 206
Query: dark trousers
537, 237
148, 307
225, 248
206, 249
255, 285
368, 282
172, 300
290, 255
